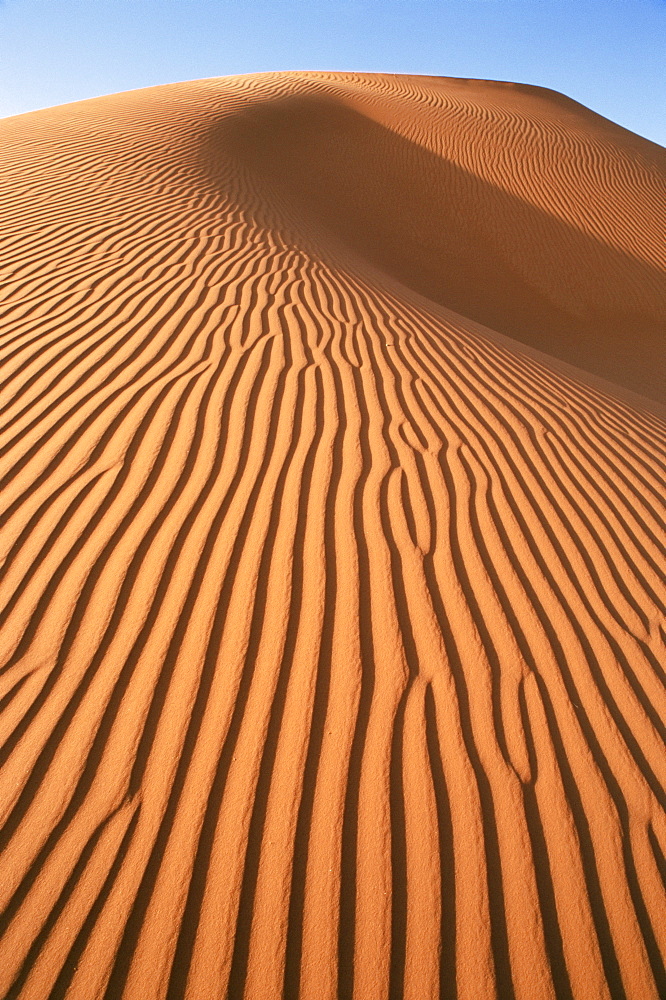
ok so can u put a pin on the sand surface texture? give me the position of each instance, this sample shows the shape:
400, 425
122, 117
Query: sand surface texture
332, 553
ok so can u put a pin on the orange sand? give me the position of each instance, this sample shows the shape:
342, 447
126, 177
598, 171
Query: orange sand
332, 554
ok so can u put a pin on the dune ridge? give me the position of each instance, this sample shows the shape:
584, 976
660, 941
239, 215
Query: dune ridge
332, 571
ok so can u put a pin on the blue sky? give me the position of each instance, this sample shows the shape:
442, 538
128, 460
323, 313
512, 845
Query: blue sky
607, 54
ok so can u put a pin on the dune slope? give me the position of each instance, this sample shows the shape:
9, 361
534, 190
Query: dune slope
332, 454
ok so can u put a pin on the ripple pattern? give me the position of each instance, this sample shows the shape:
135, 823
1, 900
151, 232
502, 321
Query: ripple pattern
332, 637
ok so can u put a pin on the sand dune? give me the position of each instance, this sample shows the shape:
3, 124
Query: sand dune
332, 553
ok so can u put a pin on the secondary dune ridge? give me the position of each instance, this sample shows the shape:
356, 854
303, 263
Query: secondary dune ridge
332, 582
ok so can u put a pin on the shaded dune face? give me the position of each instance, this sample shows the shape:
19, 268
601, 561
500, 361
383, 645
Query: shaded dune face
500, 257
332, 642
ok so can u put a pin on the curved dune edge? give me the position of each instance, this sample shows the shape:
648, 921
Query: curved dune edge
331, 601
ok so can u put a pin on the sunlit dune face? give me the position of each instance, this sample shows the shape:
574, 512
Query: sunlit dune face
332, 593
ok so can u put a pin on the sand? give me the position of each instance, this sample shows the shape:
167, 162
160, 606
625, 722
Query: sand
332, 554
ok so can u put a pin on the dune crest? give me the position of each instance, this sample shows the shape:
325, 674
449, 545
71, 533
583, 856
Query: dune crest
332, 454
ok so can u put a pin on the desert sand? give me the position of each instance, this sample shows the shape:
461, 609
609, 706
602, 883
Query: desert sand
333, 657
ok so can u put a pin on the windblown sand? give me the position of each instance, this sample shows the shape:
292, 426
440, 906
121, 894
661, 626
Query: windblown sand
332, 581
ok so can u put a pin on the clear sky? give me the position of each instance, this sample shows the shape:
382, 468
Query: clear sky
607, 54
